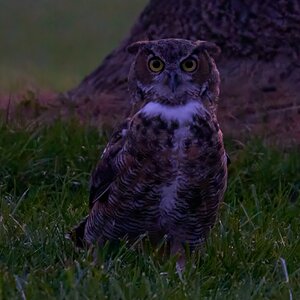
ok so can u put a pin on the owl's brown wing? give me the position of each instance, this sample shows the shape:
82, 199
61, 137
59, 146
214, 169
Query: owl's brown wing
104, 174
101, 179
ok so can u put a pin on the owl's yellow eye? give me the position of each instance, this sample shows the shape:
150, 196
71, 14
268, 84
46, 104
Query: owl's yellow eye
189, 65
156, 65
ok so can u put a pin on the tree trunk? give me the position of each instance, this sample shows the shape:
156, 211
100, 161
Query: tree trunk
259, 64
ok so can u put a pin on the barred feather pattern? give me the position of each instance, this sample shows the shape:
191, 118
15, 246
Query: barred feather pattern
161, 177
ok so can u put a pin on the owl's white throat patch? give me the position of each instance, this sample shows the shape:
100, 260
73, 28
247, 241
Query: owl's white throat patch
180, 113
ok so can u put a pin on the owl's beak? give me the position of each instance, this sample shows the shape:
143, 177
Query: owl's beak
173, 81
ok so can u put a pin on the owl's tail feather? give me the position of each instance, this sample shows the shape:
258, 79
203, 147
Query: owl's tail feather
76, 234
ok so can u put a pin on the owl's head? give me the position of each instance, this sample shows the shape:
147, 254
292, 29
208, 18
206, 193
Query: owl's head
174, 72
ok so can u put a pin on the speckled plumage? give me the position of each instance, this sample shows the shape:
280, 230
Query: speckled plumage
164, 171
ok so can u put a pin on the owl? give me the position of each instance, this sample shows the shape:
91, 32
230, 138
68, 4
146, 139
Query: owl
164, 170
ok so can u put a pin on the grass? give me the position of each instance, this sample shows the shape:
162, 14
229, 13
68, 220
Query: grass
52, 45
44, 190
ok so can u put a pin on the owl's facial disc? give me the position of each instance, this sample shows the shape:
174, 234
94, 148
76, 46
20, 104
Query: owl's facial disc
173, 72
173, 79
170, 83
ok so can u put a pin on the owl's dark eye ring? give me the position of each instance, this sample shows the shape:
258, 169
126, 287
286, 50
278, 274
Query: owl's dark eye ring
156, 65
189, 65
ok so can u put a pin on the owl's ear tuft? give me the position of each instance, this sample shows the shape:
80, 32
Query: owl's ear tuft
135, 47
211, 48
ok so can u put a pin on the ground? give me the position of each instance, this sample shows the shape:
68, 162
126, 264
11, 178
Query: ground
254, 249
44, 192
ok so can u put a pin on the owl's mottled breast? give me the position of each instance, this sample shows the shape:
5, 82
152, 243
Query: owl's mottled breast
187, 164
197, 141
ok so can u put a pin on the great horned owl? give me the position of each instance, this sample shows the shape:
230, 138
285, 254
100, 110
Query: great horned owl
164, 171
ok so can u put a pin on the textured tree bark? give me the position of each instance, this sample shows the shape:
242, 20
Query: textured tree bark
259, 64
